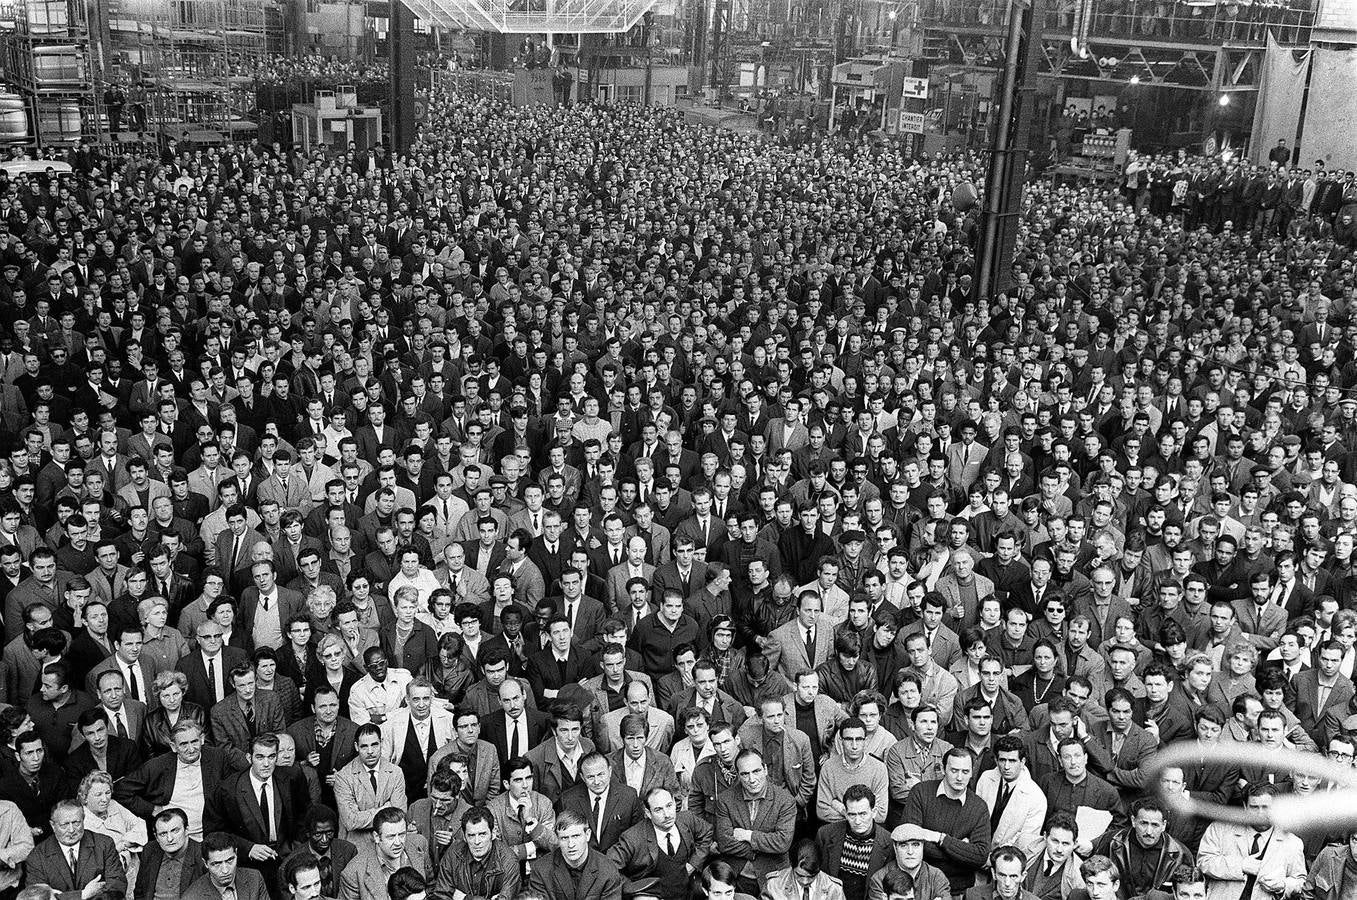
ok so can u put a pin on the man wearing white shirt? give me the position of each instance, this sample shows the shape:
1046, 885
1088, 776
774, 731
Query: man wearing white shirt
597, 779
448, 509
465, 583
127, 657
209, 668
263, 788
634, 566
112, 688
367, 784
634, 730
610, 808
515, 720
533, 515
378, 693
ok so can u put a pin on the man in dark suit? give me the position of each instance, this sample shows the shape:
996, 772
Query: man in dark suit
609, 807
1119, 729
115, 755
560, 664
494, 551
376, 434
639, 855
127, 658
338, 751
246, 713
208, 668
35, 783
513, 729
152, 784
260, 807
171, 843
549, 553
1323, 694
585, 614
72, 861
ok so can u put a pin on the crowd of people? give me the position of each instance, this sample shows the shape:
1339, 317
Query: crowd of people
591, 504
312, 68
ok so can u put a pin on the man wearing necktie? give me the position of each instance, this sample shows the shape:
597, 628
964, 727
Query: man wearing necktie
1261, 861
367, 784
1047, 872
247, 713
609, 805
261, 808
73, 862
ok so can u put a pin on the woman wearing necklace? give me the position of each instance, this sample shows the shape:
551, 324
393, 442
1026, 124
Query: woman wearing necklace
1043, 681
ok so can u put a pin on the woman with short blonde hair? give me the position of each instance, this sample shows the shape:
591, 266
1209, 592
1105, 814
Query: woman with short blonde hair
106, 816
170, 689
160, 642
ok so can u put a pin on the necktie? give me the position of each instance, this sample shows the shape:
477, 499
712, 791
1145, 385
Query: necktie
617, 557
536, 528
1000, 804
445, 512
570, 614
1050, 868
372, 776
235, 551
132, 682
326, 872
73, 859
452, 585
513, 738
212, 678
598, 817
249, 718
810, 646
122, 725
1254, 851
264, 812
669, 844
265, 601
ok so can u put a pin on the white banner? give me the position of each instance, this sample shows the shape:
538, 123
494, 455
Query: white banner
915, 89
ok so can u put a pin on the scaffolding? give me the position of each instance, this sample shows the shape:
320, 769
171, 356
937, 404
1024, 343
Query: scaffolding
533, 16
49, 61
187, 66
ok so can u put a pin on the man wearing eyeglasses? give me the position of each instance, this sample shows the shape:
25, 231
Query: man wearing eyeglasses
208, 670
